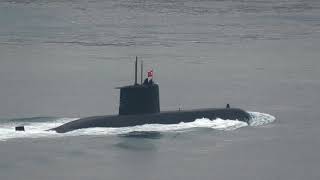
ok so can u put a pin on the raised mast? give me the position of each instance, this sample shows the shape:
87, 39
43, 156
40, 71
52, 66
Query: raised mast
135, 71
139, 99
141, 77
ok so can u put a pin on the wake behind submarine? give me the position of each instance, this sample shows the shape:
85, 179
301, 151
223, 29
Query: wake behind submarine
139, 105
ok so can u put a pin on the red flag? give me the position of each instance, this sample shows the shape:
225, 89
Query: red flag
150, 73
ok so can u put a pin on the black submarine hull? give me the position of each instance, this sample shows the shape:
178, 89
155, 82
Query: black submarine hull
169, 117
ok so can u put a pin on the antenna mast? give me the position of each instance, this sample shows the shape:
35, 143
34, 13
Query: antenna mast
135, 72
141, 71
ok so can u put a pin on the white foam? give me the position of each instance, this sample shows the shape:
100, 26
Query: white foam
259, 119
39, 129
32, 129
203, 122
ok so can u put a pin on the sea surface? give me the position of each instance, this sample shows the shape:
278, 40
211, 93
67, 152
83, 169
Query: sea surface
61, 60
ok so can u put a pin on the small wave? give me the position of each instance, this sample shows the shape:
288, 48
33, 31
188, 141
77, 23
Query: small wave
142, 134
217, 124
259, 119
83, 43
37, 127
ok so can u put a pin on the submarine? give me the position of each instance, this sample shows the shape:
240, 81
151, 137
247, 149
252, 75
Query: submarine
139, 105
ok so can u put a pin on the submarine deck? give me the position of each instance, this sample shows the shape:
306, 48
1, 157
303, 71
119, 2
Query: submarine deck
166, 117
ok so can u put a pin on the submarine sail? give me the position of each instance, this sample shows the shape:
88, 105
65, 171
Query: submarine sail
139, 98
140, 104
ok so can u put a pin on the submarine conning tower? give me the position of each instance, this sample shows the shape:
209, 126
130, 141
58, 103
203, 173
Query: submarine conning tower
140, 98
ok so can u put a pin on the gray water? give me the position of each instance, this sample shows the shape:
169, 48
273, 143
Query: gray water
64, 59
